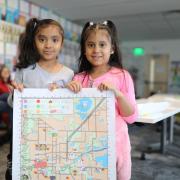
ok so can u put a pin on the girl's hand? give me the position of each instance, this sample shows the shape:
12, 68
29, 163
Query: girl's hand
53, 86
108, 86
74, 86
18, 86
11, 88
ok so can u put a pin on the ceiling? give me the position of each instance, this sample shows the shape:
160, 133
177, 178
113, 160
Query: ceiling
135, 19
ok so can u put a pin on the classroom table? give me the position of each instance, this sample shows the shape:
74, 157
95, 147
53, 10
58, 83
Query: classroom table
160, 107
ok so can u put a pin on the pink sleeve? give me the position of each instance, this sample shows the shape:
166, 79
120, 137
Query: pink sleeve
77, 77
128, 90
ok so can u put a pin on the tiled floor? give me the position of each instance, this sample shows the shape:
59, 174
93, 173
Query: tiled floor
155, 167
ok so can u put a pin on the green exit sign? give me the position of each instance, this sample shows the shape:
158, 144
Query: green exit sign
138, 51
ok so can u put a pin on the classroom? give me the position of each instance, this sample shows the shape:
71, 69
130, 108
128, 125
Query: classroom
89, 89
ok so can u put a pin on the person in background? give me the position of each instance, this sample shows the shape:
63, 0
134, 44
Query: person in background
38, 66
5, 81
100, 65
5, 89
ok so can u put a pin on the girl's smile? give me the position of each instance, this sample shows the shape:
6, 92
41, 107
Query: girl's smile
49, 42
98, 48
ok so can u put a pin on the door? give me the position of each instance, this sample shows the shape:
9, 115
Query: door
156, 74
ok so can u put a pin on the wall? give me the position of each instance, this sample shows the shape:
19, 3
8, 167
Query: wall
13, 18
170, 47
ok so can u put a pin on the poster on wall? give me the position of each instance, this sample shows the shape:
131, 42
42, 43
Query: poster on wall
1, 60
175, 77
12, 12
10, 55
12, 4
54, 16
2, 9
24, 12
34, 10
44, 13
24, 7
1, 47
1, 52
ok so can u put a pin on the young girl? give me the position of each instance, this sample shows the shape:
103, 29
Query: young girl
38, 65
5, 80
100, 65
5, 89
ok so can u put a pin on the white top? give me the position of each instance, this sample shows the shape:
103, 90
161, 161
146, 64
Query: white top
36, 77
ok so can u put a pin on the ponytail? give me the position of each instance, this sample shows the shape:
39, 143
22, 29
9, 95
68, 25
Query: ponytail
28, 54
115, 58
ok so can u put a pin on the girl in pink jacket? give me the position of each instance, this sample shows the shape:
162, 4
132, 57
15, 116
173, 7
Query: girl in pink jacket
100, 65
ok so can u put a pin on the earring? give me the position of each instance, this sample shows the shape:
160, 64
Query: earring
112, 52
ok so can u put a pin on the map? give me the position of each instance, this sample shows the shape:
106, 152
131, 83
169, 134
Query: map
61, 135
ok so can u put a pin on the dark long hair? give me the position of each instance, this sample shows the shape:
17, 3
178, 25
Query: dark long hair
115, 58
2, 67
28, 53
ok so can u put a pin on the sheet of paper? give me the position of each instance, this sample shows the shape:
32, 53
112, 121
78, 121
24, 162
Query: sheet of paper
44, 13
24, 6
152, 108
34, 10
1, 48
12, 4
62, 135
11, 49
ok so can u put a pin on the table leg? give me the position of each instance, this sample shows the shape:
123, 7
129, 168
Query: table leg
163, 136
171, 129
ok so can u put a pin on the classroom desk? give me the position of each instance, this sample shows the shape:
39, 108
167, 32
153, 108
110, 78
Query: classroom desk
160, 107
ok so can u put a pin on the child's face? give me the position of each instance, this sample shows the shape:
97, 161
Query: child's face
98, 48
5, 74
48, 42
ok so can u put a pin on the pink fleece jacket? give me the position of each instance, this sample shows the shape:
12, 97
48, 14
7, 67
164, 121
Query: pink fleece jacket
123, 81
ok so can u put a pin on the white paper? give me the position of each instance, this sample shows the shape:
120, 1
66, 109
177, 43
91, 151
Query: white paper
34, 10
151, 108
44, 14
2, 2
12, 4
1, 48
24, 7
60, 134
54, 16
1, 36
11, 49
1, 59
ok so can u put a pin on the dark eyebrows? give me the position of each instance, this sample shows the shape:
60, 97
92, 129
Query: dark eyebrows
88, 42
43, 36
92, 42
55, 37
102, 41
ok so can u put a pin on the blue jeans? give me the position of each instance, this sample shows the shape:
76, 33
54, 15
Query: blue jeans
4, 96
4, 107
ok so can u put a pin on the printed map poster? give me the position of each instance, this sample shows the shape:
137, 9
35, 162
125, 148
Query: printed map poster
61, 135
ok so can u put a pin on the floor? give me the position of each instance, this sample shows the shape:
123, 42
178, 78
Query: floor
155, 167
